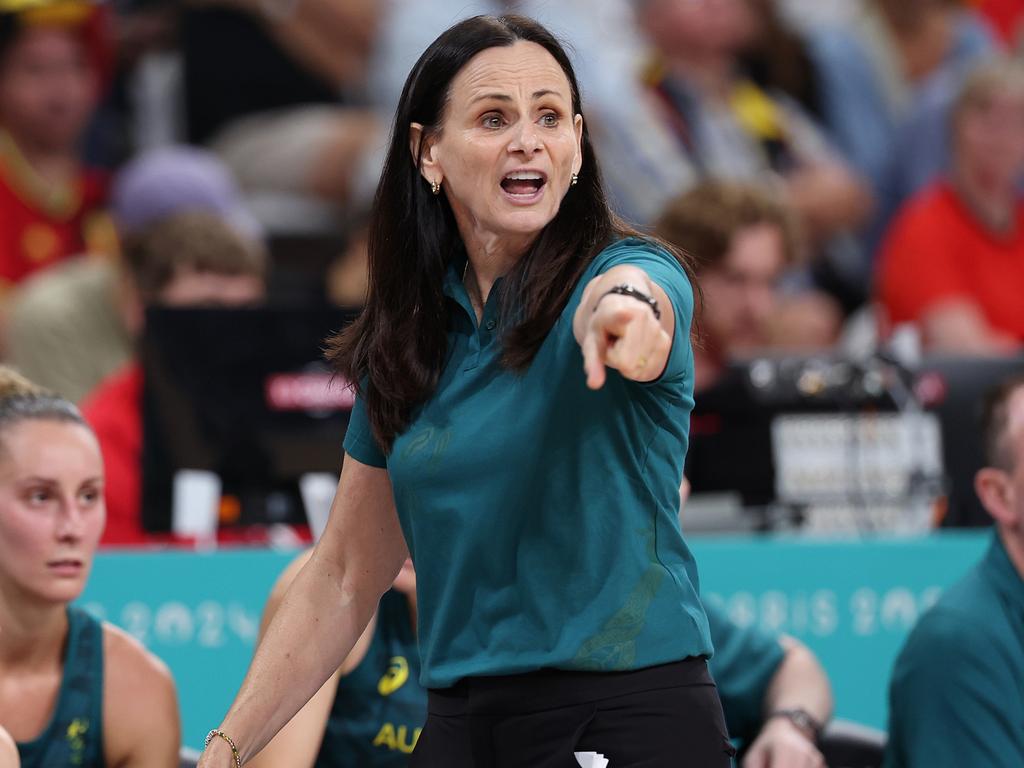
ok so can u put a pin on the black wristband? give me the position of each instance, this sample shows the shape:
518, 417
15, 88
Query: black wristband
802, 719
628, 290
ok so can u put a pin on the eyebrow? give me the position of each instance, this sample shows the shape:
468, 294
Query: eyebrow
504, 97
39, 480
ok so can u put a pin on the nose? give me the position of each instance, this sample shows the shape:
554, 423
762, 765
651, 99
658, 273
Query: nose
70, 522
525, 140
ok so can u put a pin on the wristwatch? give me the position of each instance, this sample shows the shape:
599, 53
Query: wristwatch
802, 719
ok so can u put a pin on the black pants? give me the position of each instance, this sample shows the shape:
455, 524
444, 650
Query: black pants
667, 716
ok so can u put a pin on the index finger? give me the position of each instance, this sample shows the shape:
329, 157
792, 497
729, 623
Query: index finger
594, 348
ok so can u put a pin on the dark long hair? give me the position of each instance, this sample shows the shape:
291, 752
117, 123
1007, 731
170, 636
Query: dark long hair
395, 351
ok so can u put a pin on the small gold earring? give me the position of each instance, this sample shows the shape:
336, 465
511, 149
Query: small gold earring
575, 178
435, 187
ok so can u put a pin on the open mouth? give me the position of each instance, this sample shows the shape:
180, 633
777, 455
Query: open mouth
523, 185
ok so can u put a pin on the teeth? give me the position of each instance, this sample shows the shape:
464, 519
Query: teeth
524, 176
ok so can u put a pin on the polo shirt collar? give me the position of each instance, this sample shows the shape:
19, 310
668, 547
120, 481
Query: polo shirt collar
453, 286
455, 289
1001, 570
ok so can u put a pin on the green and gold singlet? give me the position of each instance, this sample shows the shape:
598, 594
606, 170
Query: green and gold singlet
74, 735
380, 707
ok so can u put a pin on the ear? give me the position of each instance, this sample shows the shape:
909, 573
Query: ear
577, 125
995, 490
423, 155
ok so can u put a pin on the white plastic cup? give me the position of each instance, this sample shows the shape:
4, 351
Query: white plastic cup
317, 490
196, 503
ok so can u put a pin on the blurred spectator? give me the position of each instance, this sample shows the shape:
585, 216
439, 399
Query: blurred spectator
49, 81
75, 691
742, 241
957, 692
808, 15
278, 107
348, 276
74, 324
185, 260
953, 261
887, 78
729, 128
778, 59
775, 695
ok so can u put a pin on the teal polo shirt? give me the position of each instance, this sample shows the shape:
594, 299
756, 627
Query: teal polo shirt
746, 660
957, 693
541, 515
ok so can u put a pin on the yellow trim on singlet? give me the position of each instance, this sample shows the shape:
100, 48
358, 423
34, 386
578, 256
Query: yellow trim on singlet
59, 201
48, 11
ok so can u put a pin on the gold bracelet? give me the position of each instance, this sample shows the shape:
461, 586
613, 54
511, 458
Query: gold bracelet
234, 749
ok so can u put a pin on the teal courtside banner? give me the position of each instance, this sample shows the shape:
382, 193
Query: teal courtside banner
852, 602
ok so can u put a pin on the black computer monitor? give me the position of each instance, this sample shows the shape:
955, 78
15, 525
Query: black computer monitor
243, 393
732, 448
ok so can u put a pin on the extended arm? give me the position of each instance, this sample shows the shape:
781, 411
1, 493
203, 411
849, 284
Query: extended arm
298, 743
322, 615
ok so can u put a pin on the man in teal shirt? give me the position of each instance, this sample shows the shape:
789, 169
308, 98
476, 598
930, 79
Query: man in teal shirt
957, 691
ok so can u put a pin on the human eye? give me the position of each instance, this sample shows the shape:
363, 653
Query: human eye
549, 120
37, 497
492, 120
89, 496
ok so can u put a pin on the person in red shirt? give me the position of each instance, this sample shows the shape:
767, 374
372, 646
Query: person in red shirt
50, 206
953, 260
1006, 17
191, 259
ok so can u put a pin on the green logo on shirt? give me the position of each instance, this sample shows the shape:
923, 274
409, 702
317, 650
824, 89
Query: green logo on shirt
76, 740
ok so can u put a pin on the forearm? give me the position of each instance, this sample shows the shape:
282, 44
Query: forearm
298, 743
322, 614
800, 683
318, 622
958, 326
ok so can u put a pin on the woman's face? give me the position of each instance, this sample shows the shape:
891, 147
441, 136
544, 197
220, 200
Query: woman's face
51, 509
509, 142
989, 141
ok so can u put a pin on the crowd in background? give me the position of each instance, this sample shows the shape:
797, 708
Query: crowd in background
836, 170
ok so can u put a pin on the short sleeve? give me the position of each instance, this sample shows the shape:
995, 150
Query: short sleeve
359, 442
745, 661
918, 268
952, 702
667, 273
